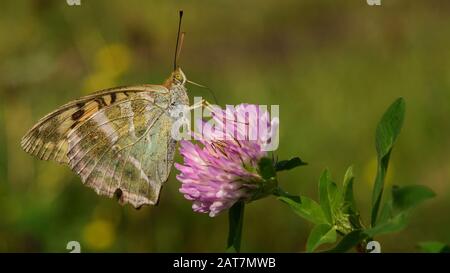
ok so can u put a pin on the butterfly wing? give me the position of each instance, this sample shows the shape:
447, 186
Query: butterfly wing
117, 140
47, 140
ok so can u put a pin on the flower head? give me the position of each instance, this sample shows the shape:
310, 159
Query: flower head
223, 168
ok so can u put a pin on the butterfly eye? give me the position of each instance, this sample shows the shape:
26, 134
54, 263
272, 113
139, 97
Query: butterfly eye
178, 77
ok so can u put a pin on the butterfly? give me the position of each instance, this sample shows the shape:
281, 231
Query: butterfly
117, 140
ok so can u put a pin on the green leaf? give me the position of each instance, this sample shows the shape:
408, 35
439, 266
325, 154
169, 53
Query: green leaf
324, 198
236, 220
408, 197
434, 247
389, 127
387, 132
266, 168
335, 197
348, 241
307, 208
347, 192
386, 213
333, 193
394, 224
394, 215
320, 234
349, 204
285, 165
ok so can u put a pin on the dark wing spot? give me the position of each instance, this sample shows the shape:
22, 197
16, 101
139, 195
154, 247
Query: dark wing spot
80, 105
101, 102
118, 195
113, 97
78, 114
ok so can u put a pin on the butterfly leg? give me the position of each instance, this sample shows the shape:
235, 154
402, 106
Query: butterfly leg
202, 103
198, 104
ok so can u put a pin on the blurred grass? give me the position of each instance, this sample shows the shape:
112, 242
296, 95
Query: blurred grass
332, 66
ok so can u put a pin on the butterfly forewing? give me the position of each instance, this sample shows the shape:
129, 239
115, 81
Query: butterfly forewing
117, 140
47, 140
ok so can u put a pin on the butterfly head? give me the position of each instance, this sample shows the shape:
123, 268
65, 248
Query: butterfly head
176, 78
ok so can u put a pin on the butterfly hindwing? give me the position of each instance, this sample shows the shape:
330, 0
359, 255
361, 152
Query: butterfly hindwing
117, 140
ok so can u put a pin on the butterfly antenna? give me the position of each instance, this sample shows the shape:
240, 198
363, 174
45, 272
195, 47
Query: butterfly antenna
177, 49
207, 88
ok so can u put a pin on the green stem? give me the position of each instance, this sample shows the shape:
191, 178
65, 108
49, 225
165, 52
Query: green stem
236, 219
378, 187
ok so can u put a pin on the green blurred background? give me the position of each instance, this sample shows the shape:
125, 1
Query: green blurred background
332, 66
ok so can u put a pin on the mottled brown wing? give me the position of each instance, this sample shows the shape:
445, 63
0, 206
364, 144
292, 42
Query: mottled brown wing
126, 150
47, 140
121, 148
